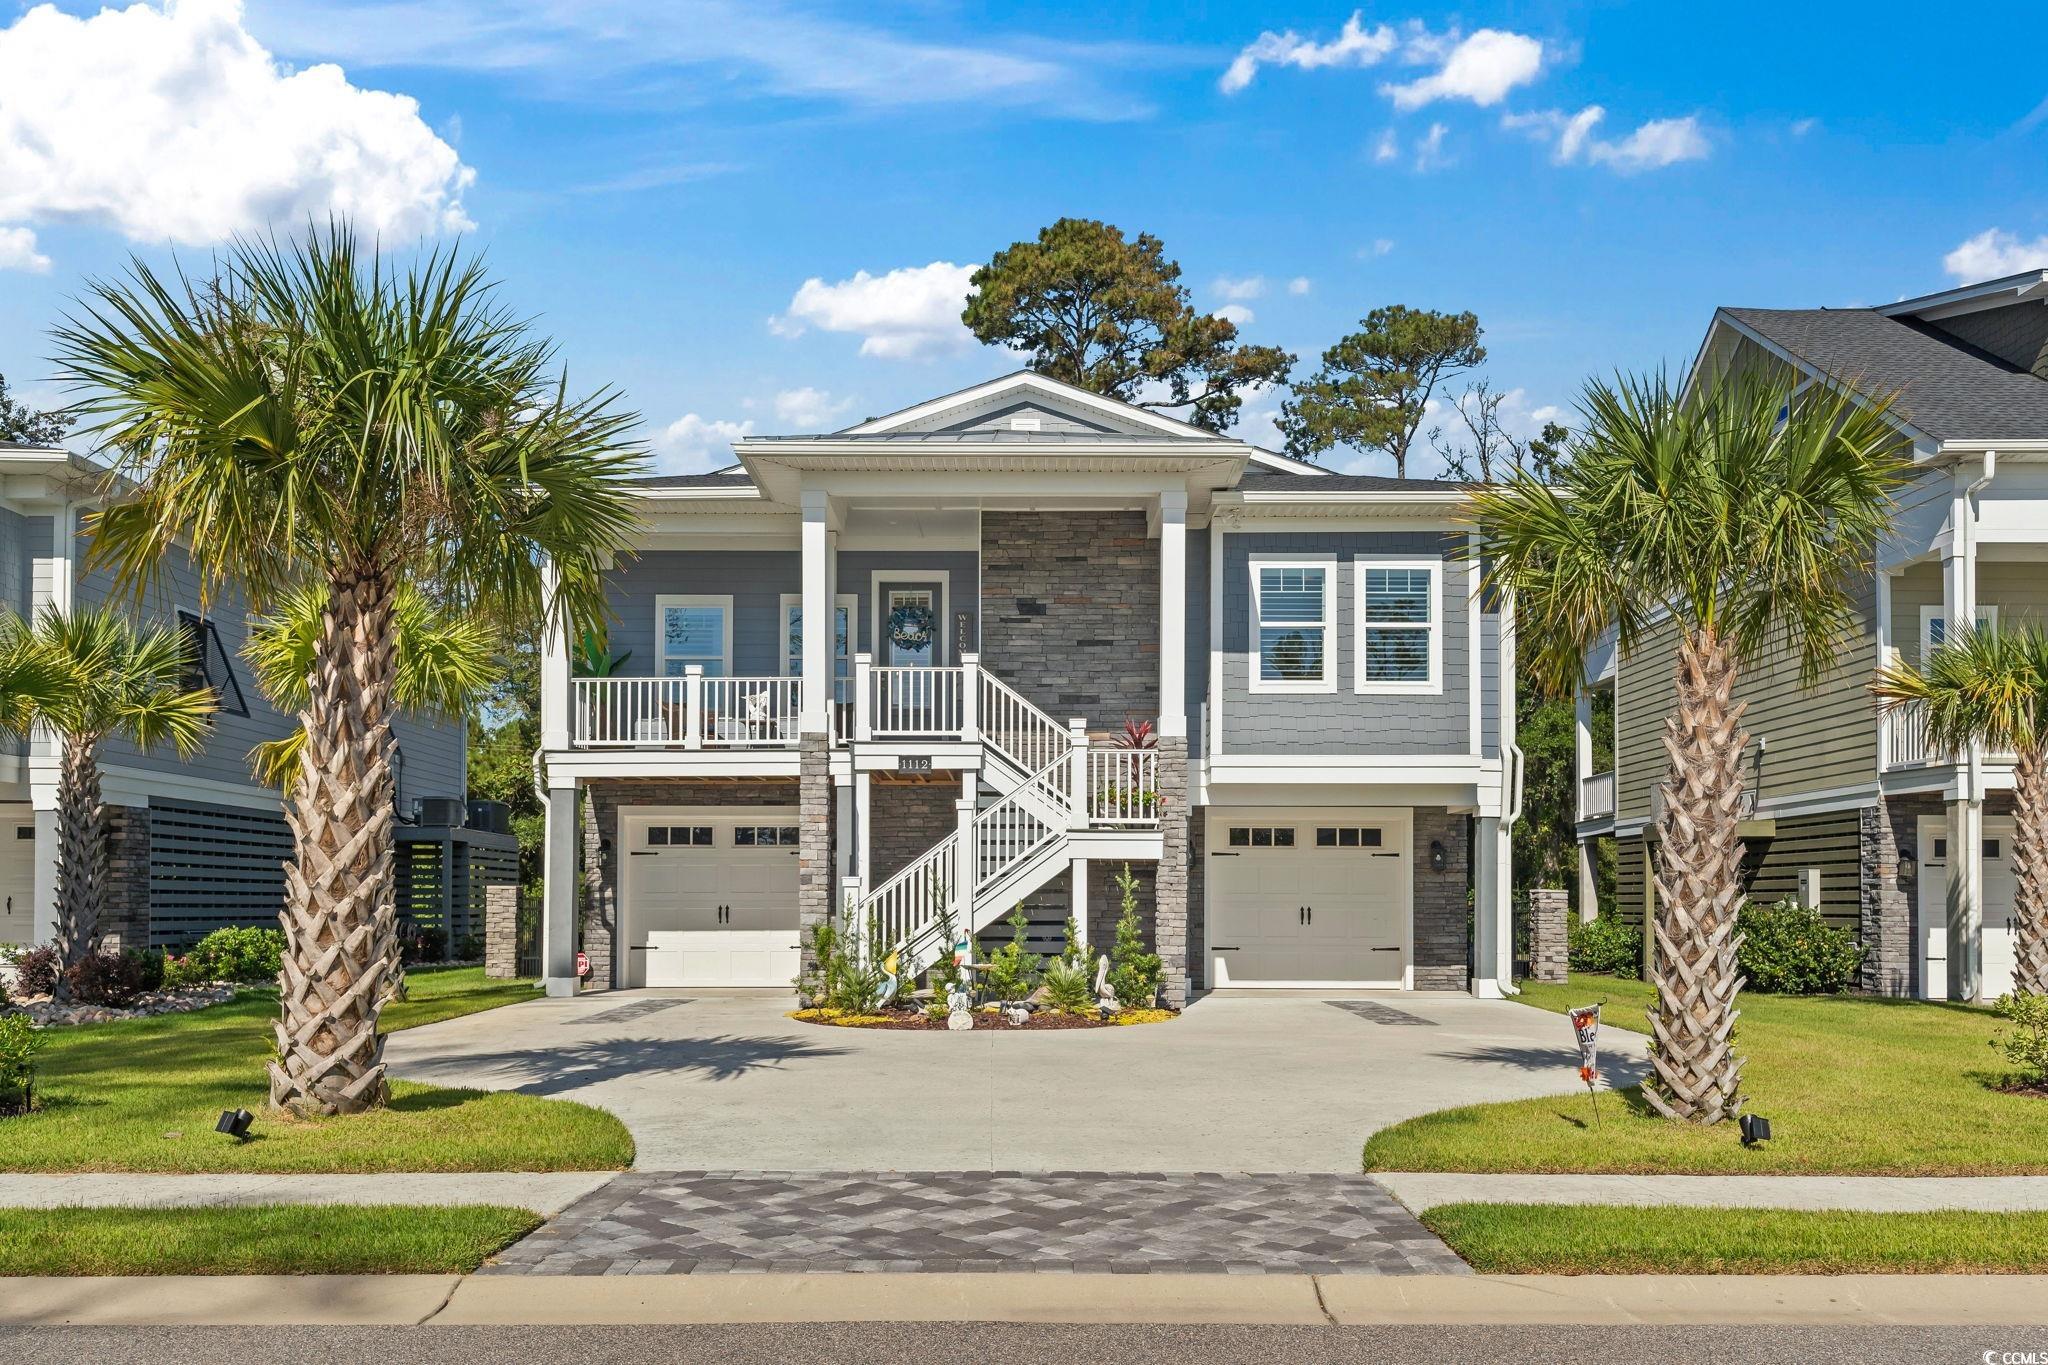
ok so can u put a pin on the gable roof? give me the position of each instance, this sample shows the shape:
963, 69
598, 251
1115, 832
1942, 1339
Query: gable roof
1943, 387
1094, 413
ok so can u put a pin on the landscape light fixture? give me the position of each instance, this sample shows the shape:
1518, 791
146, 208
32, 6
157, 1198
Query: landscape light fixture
1755, 1128
235, 1123
1439, 857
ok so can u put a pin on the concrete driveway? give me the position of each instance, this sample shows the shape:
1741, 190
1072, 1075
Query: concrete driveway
727, 1083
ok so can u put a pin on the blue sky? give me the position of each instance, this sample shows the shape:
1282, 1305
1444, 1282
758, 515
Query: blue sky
657, 182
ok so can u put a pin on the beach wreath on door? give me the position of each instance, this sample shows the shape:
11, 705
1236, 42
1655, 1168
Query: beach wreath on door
910, 627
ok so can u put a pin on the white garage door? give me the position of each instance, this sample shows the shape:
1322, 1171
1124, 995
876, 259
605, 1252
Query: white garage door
710, 898
1313, 899
2001, 888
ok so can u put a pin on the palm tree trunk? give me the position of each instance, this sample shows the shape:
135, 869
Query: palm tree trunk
340, 919
81, 854
2030, 863
1699, 890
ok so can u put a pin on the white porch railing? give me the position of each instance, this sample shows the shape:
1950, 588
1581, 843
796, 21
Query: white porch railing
691, 712
1906, 746
904, 702
1122, 785
1596, 796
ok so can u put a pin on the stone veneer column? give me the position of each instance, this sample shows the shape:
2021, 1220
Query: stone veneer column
1549, 955
1443, 908
1170, 914
501, 929
124, 916
600, 898
1886, 912
814, 889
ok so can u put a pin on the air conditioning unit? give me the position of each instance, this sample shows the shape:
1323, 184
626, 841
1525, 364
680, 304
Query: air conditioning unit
448, 811
492, 817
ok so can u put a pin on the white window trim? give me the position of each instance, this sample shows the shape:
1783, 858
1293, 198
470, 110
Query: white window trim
1328, 682
1360, 684
664, 601
1930, 612
845, 601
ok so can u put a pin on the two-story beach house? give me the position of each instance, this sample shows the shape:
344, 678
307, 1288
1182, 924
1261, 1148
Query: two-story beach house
882, 675
196, 842
1853, 811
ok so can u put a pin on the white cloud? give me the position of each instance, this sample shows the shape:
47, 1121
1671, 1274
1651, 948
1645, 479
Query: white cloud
1481, 68
696, 445
18, 251
1801, 127
1236, 313
170, 122
1659, 142
909, 313
809, 410
1354, 45
1429, 149
1387, 148
1299, 285
1378, 246
1995, 252
1239, 290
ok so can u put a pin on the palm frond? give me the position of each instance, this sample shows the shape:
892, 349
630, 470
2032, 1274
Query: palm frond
1987, 687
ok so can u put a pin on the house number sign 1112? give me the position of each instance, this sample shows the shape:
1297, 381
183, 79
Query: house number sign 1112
913, 763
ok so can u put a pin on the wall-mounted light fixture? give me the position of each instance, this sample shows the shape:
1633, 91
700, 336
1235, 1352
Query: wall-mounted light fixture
1439, 856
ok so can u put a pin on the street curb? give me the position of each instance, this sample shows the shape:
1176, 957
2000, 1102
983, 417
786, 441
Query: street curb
1350, 1300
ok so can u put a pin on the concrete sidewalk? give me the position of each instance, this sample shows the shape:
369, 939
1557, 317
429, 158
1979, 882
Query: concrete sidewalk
543, 1192
1864, 1193
1863, 1300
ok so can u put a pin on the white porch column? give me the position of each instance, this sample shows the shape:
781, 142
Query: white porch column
863, 825
1173, 613
1582, 733
556, 686
1965, 899
52, 577
1493, 947
1077, 899
1077, 774
842, 820
814, 715
966, 873
1589, 884
558, 893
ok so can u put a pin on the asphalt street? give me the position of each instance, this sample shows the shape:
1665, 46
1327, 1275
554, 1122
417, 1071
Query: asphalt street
1023, 1344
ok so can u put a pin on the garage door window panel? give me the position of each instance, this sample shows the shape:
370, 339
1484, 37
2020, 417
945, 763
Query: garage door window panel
1400, 635
1294, 622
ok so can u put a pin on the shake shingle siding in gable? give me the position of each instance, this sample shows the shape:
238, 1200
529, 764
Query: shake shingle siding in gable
1343, 722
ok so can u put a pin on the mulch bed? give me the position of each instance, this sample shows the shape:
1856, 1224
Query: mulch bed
917, 1020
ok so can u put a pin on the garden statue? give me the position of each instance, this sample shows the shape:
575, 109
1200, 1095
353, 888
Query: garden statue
1104, 996
958, 1016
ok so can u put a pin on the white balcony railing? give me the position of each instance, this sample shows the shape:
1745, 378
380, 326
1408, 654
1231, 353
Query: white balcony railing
907, 702
1121, 786
1906, 746
1596, 796
690, 712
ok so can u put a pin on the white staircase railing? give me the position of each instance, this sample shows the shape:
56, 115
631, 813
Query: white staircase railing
1016, 729
1122, 786
914, 899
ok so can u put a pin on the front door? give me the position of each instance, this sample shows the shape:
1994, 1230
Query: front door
912, 627
2001, 885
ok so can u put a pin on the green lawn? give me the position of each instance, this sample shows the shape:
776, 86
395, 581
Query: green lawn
1605, 1239
276, 1239
143, 1095
1852, 1085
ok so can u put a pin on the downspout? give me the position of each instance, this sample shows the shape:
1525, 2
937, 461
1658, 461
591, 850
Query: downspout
1511, 812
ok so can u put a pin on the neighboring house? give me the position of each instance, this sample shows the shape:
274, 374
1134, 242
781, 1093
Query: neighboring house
1012, 573
196, 842
1851, 811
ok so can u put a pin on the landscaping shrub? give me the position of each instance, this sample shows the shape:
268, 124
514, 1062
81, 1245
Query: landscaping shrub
1013, 969
20, 1041
35, 969
469, 948
2026, 1044
149, 968
840, 980
1068, 989
110, 979
1788, 949
422, 945
1604, 945
248, 955
1133, 972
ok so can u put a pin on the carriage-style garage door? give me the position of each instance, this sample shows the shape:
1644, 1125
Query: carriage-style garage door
1308, 898
710, 896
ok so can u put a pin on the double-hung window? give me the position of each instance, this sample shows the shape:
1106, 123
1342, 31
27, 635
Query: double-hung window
842, 642
1400, 630
1293, 621
1934, 626
693, 630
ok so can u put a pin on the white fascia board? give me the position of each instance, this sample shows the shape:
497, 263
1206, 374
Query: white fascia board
1971, 298
1343, 769
1029, 381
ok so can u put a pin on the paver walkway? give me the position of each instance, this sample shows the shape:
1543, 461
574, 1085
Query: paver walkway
654, 1223
1869, 1193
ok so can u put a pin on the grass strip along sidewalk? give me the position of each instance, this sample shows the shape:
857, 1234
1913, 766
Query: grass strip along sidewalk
1852, 1086
273, 1239
143, 1095
1607, 1239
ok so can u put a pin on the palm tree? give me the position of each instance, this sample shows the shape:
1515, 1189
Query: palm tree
445, 662
1739, 517
118, 681
29, 678
1990, 687
315, 415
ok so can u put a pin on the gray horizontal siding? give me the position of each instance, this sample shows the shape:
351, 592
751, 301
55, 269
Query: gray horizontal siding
756, 581
1344, 722
433, 758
